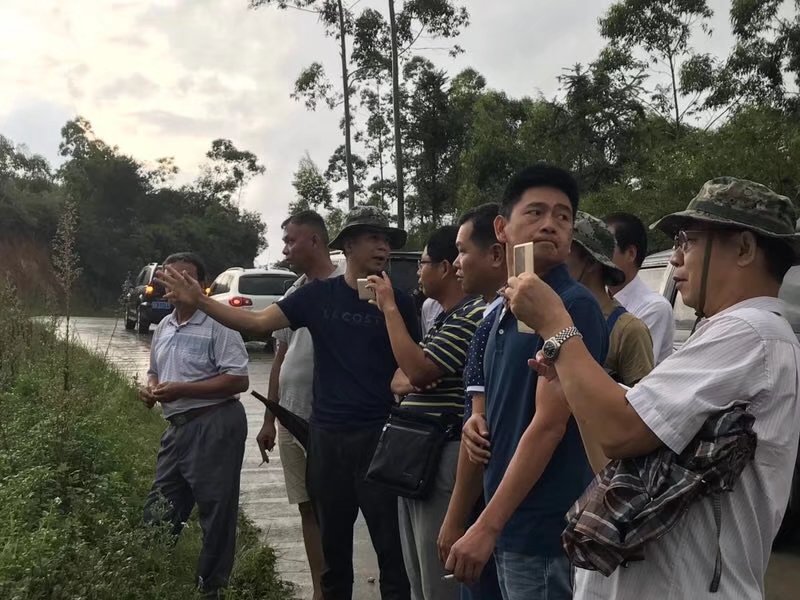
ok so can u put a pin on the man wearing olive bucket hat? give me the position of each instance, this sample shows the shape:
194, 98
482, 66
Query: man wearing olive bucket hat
353, 369
630, 348
733, 246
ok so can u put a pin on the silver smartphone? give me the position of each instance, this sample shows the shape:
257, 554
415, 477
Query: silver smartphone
365, 293
523, 263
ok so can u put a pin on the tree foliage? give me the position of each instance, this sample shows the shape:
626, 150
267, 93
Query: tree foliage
126, 214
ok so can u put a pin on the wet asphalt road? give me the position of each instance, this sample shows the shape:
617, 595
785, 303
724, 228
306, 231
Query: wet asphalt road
263, 493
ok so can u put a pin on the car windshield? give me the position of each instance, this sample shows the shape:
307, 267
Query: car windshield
265, 285
653, 277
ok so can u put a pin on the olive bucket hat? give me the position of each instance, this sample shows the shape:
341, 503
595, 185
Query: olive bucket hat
594, 237
739, 203
368, 218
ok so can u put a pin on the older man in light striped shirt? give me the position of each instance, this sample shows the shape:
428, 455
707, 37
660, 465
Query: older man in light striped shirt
197, 370
733, 246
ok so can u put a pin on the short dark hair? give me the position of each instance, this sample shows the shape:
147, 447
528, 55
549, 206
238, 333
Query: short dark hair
779, 257
442, 244
538, 176
482, 218
312, 219
188, 257
629, 231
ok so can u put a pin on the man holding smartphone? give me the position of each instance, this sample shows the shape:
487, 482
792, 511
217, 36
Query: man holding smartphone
353, 369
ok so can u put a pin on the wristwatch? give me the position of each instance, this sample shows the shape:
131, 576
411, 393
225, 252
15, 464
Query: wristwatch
552, 346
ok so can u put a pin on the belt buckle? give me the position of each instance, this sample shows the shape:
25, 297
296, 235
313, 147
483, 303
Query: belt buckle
179, 420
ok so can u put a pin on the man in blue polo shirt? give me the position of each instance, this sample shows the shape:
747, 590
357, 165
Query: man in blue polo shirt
537, 466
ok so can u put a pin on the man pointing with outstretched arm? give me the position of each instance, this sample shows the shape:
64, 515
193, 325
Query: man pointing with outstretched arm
353, 369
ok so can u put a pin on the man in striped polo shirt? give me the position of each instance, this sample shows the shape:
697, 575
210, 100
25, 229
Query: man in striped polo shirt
439, 362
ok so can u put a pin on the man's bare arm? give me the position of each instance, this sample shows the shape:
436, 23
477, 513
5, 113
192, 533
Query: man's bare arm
411, 358
184, 289
532, 456
220, 386
400, 384
274, 376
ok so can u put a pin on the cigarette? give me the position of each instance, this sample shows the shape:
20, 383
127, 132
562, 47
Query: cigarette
449, 576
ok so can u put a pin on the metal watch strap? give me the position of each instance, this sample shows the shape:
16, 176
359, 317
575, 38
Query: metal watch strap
563, 335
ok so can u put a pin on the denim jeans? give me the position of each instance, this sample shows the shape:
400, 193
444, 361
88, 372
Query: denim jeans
524, 577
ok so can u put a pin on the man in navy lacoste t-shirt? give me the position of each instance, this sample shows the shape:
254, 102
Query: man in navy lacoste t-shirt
353, 368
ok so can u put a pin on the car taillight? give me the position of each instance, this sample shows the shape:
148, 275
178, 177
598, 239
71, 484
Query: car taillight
149, 290
240, 301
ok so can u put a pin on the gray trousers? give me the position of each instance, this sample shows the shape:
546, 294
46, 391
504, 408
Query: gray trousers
200, 463
420, 521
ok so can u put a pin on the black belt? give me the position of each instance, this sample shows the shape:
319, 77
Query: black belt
183, 418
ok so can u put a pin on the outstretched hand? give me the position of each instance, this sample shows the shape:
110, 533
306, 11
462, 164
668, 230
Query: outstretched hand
181, 287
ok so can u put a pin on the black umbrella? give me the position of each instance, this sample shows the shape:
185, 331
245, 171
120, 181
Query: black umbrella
294, 424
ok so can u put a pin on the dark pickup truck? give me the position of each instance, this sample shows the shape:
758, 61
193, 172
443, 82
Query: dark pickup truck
656, 272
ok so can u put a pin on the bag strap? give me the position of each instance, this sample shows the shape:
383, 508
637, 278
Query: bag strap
717, 503
614, 317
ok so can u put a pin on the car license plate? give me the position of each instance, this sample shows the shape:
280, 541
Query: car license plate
161, 305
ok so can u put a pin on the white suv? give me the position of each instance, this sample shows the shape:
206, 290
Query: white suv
251, 289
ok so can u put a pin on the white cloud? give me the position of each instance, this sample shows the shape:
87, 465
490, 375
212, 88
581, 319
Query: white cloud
165, 77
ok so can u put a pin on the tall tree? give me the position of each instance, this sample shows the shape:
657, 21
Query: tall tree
663, 29
313, 190
312, 85
764, 62
228, 170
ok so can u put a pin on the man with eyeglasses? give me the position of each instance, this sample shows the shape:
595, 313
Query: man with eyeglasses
734, 244
430, 379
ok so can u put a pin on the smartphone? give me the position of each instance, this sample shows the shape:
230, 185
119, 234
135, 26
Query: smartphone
364, 293
523, 263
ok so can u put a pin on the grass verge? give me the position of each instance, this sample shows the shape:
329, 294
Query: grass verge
75, 467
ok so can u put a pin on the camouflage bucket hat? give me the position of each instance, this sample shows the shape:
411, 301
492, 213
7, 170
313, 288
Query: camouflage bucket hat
739, 203
594, 237
368, 218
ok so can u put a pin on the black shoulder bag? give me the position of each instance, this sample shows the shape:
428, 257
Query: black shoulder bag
407, 456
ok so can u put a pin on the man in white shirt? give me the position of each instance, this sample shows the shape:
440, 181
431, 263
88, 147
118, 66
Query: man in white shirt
291, 379
733, 247
638, 299
430, 310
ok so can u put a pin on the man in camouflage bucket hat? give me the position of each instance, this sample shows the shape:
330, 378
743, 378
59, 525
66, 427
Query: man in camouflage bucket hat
352, 371
630, 350
733, 245
368, 218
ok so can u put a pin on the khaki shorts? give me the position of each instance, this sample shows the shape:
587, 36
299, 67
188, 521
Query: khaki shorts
293, 459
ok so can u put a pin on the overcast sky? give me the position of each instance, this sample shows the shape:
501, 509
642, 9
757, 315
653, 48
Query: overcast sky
165, 77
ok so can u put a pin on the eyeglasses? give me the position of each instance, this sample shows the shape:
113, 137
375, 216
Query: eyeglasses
683, 241
427, 262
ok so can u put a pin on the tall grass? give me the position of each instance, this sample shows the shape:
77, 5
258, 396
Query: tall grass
77, 456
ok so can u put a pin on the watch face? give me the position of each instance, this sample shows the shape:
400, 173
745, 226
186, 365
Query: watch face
550, 349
